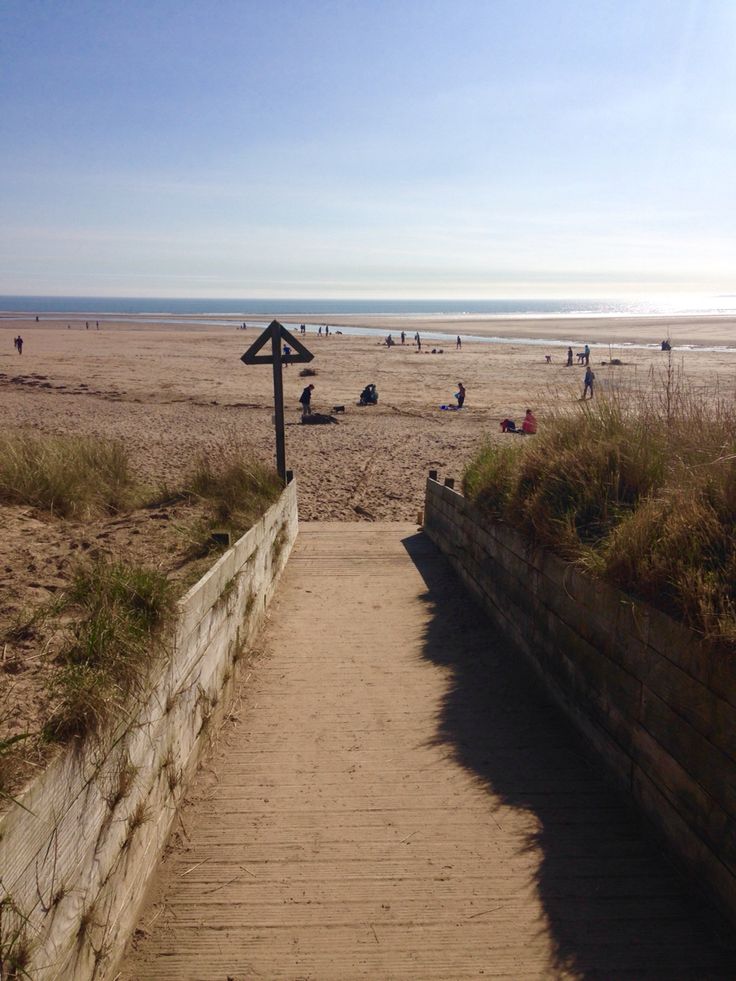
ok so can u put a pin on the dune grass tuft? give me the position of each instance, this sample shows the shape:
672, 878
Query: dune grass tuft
67, 475
640, 490
235, 489
119, 614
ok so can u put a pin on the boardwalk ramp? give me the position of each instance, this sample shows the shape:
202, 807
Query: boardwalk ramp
393, 797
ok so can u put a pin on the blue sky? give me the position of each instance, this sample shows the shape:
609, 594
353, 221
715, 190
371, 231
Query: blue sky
473, 148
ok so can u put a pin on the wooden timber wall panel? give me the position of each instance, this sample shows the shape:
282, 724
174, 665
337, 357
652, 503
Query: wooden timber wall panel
654, 702
75, 863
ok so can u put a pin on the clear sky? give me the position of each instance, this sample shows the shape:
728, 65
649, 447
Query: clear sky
381, 148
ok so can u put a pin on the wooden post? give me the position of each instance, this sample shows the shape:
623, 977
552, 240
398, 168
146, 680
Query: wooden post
278, 404
276, 333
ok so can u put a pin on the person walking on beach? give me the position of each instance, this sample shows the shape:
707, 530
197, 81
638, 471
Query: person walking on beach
460, 395
306, 401
19, 344
586, 354
569, 357
403, 337
588, 381
418, 340
287, 355
458, 344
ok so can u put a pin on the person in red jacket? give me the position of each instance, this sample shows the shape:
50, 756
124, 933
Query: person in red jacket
529, 425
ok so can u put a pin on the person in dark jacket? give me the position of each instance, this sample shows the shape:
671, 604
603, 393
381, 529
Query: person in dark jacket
306, 400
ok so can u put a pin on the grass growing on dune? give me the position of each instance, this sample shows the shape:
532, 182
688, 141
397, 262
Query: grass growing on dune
69, 476
107, 624
639, 489
118, 613
235, 489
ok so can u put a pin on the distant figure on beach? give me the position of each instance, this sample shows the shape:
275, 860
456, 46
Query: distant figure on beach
458, 343
19, 344
418, 341
369, 395
36, 318
508, 426
586, 354
548, 358
319, 331
327, 330
569, 357
306, 401
403, 337
460, 395
666, 346
287, 355
389, 341
529, 425
302, 329
588, 381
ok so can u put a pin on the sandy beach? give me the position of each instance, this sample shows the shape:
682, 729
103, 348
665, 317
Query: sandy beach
171, 392
174, 392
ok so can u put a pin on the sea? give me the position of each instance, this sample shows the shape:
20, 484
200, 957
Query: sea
259, 311
669, 305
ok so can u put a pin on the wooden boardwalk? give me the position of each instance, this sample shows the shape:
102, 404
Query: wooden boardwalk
394, 798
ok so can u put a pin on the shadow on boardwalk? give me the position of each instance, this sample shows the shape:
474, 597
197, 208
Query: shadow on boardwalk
614, 905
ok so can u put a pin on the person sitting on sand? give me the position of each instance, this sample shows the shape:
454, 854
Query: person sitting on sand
508, 426
306, 400
529, 425
369, 395
460, 395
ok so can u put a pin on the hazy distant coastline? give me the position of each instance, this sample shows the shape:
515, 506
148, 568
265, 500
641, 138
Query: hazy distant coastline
687, 305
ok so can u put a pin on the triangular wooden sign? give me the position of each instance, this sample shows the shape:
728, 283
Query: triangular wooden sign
299, 354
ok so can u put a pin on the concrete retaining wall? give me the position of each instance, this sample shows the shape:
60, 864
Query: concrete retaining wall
652, 700
76, 862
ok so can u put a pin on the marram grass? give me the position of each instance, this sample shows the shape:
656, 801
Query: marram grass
639, 490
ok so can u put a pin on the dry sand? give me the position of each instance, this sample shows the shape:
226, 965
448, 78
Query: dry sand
171, 392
